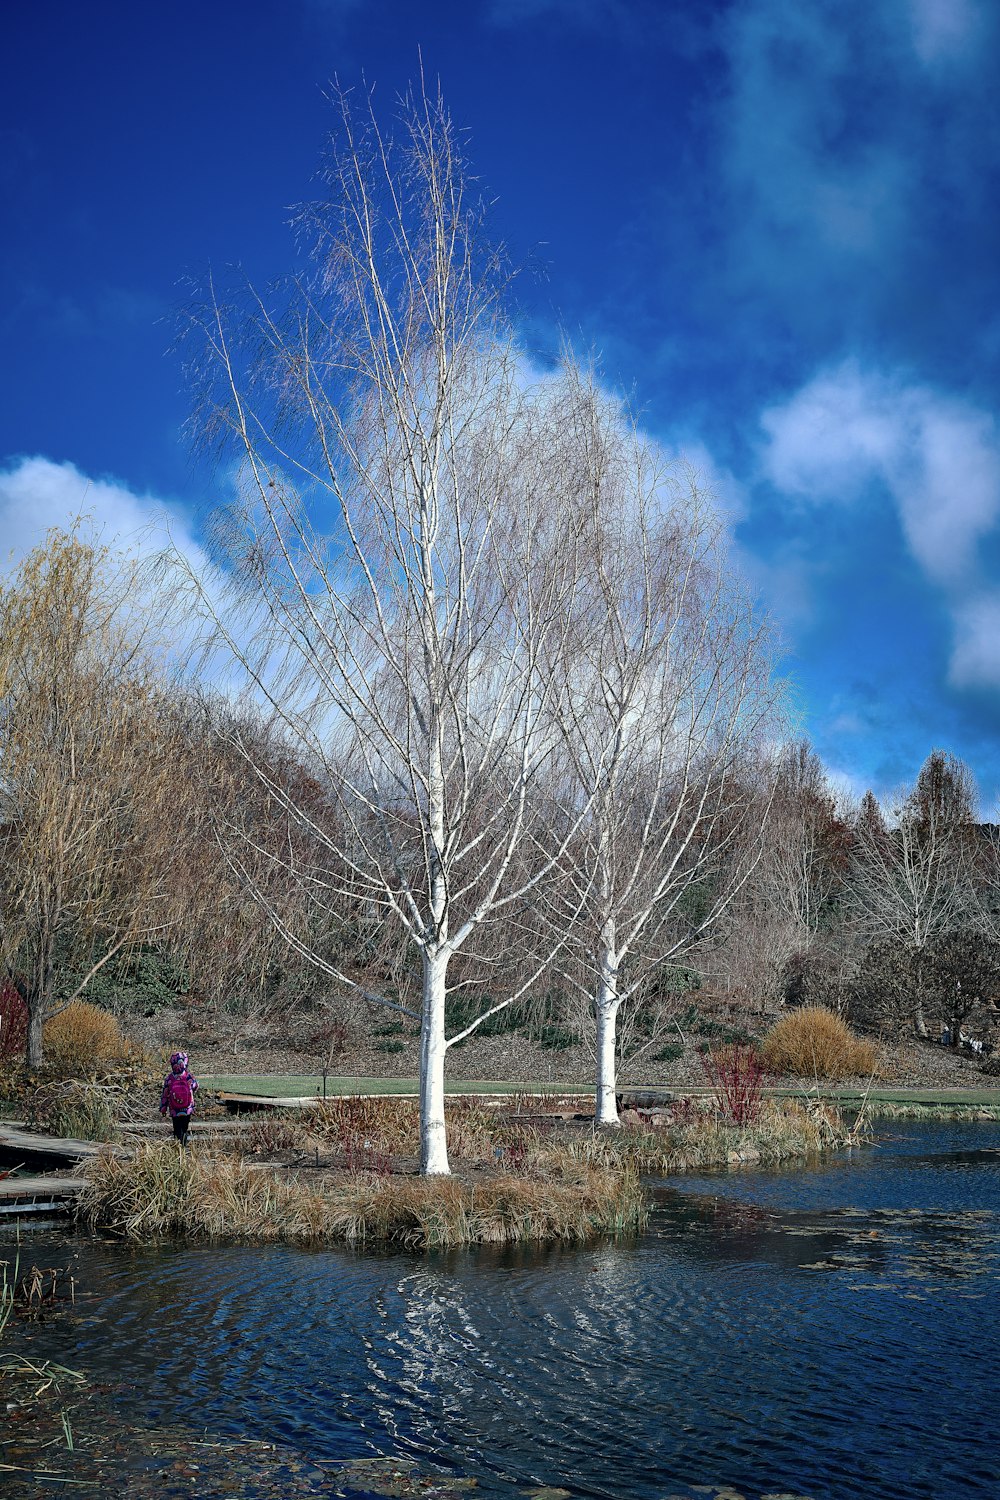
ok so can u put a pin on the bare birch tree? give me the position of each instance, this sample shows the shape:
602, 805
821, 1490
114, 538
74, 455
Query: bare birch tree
667, 693
401, 570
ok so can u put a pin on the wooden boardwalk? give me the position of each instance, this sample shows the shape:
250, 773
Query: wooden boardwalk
44, 1194
235, 1102
51, 1188
34, 1149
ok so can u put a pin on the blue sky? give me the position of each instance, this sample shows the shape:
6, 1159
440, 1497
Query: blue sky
777, 224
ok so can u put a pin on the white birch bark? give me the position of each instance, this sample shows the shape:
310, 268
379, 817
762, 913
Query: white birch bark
667, 700
406, 565
606, 1004
433, 1138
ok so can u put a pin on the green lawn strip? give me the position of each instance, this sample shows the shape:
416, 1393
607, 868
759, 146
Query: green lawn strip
917, 1096
285, 1086
292, 1086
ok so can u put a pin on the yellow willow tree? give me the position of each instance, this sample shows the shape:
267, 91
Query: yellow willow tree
399, 555
85, 783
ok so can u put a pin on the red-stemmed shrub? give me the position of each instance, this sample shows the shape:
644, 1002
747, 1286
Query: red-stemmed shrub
737, 1077
13, 1025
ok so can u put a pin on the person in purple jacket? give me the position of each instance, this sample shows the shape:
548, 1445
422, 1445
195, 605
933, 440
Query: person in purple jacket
179, 1089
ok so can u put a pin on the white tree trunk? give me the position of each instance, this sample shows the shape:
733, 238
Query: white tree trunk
606, 1003
433, 1139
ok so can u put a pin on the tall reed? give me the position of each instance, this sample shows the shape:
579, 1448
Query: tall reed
159, 1191
371, 1133
7, 1284
783, 1129
78, 1110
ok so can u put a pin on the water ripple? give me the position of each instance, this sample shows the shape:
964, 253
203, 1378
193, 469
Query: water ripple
809, 1332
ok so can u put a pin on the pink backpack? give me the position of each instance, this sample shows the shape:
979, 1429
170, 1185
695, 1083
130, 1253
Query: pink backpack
180, 1094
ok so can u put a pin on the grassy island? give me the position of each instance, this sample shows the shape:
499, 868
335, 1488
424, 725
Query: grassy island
346, 1172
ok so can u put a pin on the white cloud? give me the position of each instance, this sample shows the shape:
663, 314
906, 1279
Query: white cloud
975, 660
844, 134
810, 174
694, 470
935, 456
847, 786
938, 457
37, 495
944, 30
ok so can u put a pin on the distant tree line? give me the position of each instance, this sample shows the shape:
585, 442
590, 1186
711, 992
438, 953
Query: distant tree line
885, 911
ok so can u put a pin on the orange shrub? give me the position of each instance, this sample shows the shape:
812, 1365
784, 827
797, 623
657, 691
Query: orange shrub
82, 1039
814, 1043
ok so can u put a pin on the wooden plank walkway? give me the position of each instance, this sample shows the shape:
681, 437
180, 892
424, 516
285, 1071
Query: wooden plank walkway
41, 1191
30, 1145
235, 1102
39, 1195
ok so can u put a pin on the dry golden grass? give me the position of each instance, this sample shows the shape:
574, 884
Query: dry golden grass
81, 1039
814, 1043
785, 1129
391, 1127
161, 1191
83, 1111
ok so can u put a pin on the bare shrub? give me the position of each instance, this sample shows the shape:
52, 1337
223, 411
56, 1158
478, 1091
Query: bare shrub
369, 1132
477, 1133
814, 1043
79, 1111
737, 1075
268, 1133
13, 1026
389, 1125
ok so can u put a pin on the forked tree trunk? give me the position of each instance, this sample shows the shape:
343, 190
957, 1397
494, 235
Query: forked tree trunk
433, 1139
40, 996
36, 1016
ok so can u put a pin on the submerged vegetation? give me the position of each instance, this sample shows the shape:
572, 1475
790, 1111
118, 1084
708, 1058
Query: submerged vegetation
24, 1384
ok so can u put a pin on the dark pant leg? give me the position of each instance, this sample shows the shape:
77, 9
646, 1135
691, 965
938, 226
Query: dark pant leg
181, 1123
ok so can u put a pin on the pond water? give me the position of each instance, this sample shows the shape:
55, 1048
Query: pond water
830, 1331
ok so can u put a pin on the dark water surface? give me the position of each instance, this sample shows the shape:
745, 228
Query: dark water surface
831, 1331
